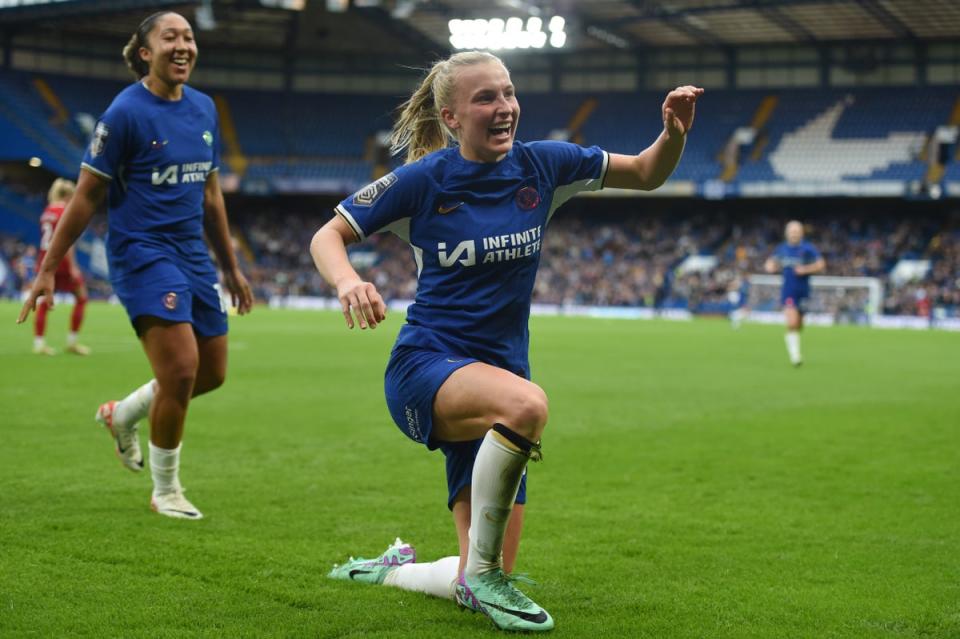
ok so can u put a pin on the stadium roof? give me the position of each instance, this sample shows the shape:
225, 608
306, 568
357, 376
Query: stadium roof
418, 27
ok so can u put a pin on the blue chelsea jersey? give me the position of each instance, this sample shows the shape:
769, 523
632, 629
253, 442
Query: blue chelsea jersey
476, 230
790, 256
157, 155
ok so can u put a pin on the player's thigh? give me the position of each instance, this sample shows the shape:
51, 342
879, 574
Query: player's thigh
171, 348
477, 396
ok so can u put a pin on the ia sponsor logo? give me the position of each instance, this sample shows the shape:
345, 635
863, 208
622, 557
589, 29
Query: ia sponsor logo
465, 252
166, 175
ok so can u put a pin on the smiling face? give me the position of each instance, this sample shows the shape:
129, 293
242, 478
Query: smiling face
171, 51
484, 112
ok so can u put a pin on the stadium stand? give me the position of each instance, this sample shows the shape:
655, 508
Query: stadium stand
328, 144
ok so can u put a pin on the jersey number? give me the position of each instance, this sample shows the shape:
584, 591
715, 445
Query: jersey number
46, 234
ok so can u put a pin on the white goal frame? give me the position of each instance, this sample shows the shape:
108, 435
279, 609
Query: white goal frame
873, 285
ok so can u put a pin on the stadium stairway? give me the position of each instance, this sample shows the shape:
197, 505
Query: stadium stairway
60, 113
234, 156
936, 169
731, 157
583, 113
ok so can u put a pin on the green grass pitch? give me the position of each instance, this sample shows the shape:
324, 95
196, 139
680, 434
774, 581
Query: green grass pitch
694, 485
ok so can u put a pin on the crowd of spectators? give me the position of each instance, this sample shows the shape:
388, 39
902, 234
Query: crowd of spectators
627, 260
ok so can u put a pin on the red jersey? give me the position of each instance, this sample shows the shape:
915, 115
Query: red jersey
48, 223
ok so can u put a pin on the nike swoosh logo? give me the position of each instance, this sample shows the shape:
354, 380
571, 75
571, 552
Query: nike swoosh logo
189, 513
359, 572
454, 361
540, 617
443, 210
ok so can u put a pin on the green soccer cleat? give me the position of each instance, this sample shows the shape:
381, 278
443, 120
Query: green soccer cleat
373, 571
494, 595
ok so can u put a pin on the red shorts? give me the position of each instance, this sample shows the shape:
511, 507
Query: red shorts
64, 282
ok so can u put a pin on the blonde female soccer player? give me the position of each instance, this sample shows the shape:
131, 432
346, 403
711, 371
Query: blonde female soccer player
458, 379
798, 260
155, 153
67, 276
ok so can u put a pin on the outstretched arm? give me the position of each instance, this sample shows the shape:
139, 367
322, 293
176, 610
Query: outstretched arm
218, 234
90, 192
653, 165
329, 251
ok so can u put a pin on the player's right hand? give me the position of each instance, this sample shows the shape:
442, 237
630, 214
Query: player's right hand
42, 287
361, 300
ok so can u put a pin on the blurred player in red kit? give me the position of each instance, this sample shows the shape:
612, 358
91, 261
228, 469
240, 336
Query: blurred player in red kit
69, 279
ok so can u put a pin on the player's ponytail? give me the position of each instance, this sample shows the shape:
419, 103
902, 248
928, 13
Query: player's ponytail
419, 128
139, 39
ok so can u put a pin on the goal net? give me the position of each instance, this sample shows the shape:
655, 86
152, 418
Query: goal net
833, 299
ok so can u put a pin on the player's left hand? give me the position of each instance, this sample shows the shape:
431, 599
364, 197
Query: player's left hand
678, 110
43, 286
241, 297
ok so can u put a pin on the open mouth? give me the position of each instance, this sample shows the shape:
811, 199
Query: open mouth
500, 131
181, 62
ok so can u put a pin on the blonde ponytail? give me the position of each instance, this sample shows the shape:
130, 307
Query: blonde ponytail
419, 128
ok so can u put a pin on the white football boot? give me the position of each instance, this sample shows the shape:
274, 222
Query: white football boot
174, 505
125, 437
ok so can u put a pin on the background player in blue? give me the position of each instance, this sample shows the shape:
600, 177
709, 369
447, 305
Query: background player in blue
798, 260
155, 151
458, 377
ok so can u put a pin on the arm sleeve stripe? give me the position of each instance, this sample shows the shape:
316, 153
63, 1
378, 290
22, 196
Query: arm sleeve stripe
345, 214
98, 172
603, 169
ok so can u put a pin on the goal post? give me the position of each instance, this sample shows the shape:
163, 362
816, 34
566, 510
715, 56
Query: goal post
848, 300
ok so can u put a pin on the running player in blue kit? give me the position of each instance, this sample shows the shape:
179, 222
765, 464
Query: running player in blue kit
154, 154
458, 378
798, 260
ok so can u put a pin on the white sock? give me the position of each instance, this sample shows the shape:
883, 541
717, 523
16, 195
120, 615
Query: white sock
71, 338
792, 339
135, 406
165, 469
39, 342
736, 317
496, 478
437, 578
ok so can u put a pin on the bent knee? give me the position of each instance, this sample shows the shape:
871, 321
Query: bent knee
178, 377
529, 413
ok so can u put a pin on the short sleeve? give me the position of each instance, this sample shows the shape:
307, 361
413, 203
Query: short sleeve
812, 254
381, 203
107, 148
570, 163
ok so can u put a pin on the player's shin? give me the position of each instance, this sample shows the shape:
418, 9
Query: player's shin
136, 405
499, 465
76, 318
792, 340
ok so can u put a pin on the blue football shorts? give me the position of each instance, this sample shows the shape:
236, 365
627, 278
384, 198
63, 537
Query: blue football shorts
794, 299
175, 293
411, 382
